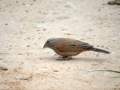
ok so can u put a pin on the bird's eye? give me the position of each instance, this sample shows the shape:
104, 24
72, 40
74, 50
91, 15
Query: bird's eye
48, 41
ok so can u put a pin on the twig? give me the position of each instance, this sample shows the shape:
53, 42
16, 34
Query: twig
3, 68
107, 71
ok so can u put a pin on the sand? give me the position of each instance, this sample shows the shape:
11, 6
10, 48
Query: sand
25, 25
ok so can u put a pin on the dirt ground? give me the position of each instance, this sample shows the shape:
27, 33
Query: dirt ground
25, 25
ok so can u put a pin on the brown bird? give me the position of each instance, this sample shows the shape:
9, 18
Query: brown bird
67, 47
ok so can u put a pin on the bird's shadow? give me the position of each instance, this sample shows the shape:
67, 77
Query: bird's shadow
89, 59
85, 59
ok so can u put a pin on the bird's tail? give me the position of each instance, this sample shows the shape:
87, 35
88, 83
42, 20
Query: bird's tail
100, 50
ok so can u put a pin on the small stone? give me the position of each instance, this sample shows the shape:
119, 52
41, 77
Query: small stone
44, 29
31, 4
55, 71
17, 1
34, 0
3, 68
6, 24
37, 30
98, 46
20, 54
68, 33
102, 46
28, 46
28, 38
23, 4
26, 11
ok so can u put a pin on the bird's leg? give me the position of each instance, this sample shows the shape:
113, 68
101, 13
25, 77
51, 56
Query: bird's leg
67, 57
64, 58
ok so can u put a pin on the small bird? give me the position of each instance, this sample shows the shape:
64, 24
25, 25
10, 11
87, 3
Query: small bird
67, 47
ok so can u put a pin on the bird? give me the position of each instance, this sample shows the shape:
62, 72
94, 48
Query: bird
67, 47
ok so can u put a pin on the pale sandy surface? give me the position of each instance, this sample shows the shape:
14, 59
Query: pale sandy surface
26, 24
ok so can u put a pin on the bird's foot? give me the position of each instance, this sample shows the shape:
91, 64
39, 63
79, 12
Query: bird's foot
65, 58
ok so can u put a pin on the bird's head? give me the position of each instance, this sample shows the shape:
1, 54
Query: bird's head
49, 43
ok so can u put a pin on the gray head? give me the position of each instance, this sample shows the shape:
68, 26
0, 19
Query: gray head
49, 43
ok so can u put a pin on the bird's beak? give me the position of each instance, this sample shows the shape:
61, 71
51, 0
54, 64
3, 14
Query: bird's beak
45, 45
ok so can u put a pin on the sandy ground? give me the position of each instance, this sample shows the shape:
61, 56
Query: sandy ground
26, 24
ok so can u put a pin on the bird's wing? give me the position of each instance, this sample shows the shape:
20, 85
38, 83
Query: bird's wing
81, 45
